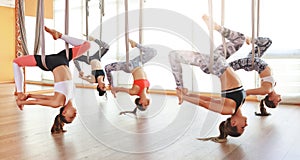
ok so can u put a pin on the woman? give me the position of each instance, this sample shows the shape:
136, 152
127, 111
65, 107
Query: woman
261, 67
232, 95
97, 75
58, 64
141, 84
268, 82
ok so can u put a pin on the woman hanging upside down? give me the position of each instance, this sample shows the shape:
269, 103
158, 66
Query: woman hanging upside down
97, 75
232, 95
141, 84
268, 82
58, 64
260, 66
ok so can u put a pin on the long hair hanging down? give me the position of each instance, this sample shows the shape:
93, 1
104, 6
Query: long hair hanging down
59, 123
225, 129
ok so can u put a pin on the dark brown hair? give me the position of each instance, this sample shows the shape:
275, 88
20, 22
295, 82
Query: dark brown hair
59, 122
226, 129
101, 92
138, 105
269, 103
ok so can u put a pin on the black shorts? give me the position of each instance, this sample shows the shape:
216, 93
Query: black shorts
54, 60
236, 94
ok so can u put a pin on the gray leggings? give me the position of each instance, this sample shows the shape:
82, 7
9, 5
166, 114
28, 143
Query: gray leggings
148, 54
104, 47
262, 44
176, 57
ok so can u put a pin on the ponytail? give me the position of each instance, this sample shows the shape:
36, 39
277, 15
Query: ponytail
226, 129
59, 123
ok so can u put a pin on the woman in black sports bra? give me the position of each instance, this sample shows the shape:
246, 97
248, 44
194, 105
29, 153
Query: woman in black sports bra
97, 75
232, 95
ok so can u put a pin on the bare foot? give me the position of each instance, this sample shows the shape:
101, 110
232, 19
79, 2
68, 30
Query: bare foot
55, 34
248, 40
132, 43
179, 95
91, 38
206, 20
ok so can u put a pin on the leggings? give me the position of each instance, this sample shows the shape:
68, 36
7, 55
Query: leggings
104, 47
262, 44
149, 53
176, 57
29, 60
81, 46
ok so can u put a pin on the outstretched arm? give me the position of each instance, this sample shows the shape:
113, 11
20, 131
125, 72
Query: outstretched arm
89, 78
131, 91
40, 96
219, 105
259, 91
44, 100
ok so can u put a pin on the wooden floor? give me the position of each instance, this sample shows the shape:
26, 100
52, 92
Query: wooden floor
166, 131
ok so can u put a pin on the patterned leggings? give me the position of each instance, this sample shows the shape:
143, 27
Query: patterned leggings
149, 53
176, 57
262, 44
83, 58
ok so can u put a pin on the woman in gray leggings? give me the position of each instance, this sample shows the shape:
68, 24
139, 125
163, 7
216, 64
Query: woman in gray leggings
141, 84
268, 82
97, 75
232, 95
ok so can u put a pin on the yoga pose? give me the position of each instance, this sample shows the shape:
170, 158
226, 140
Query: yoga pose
232, 95
141, 84
63, 83
261, 67
97, 75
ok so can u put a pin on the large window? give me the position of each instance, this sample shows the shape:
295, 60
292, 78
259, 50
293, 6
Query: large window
277, 22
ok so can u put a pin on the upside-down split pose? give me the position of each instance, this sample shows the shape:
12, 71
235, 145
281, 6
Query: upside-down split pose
232, 95
97, 75
58, 64
141, 84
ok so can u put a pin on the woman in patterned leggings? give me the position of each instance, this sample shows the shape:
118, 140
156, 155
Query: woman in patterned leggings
268, 82
141, 84
97, 75
58, 64
232, 95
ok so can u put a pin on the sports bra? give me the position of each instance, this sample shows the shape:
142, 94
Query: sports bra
142, 83
269, 79
98, 73
65, 88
